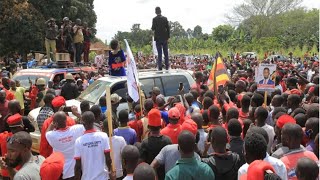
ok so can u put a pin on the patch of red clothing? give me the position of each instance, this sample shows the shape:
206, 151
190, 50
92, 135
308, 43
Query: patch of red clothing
33, 96
4, 112
3, 145
172, 131
10, 96
45, 148
138, 127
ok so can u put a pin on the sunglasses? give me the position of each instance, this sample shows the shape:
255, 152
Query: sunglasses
12, 140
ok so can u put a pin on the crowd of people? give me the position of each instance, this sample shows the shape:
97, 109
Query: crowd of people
230, 134
71, 37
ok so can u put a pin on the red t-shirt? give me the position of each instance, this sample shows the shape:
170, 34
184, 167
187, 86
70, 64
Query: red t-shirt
172, 131
45, 148
138, 127
290, 161
10, 95
3, 144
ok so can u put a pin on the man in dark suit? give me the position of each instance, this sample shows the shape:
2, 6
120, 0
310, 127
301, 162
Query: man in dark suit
160, 26
266, 80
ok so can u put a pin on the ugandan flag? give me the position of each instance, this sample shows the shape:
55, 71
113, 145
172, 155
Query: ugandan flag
218, 75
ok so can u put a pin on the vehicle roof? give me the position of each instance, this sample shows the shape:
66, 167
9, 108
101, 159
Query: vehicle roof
147, 73
55, 70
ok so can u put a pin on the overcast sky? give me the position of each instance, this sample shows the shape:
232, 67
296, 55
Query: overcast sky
120, 15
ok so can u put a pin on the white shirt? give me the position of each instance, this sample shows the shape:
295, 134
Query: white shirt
118, 143
271, 135
91, 148
128, 177
277, 164
63, 141
98, 60
202, 140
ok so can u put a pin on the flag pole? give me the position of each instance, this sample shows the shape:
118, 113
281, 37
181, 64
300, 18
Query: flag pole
215, 79
110, 126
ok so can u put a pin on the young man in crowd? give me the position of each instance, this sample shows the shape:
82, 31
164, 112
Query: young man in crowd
235, 139
118, 143
169, 155
19, 154
223, 163
130, 157
52, 167
291, 137
188, 168
92, 152
173, 129
261, 115
151, 146
57, 104
124, 130
62, 139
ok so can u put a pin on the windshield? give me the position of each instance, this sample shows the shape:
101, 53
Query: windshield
24, 79
94, 91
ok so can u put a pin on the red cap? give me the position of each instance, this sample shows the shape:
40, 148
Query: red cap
174, 113
58, 101
311, 89
14, 119
257, 169
190, 125
154, 118
182, 111
52, 167
284, 119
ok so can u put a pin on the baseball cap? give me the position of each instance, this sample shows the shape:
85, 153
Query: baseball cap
154, 118
257, 170
14, 120
174, 113
189, 125
52, 167
284, 119
58, 101
115, 98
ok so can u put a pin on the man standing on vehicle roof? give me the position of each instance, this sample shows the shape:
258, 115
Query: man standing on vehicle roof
160, 26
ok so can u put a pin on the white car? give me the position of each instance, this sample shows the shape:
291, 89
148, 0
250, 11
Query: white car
167, 81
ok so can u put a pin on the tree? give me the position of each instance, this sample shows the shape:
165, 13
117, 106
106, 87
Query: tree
21, 27
197, 32
222, 33
177, 30
261, 8
189, 33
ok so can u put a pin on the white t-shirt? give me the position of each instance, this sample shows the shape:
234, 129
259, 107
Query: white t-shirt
118, 143
277, 164
63, 141
271, 135
91, 148
98, 60
128, 177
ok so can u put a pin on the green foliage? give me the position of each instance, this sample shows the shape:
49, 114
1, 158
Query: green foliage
22, 22
284, 32
21, 27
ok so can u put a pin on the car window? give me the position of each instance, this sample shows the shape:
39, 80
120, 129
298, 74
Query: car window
94, 91
121, 89
158, 83
58, 77
24, 79
172, 84
147, 85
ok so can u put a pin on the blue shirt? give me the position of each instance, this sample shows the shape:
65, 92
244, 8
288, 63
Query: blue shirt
114, 59
103, 109
165, 116
127, 133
